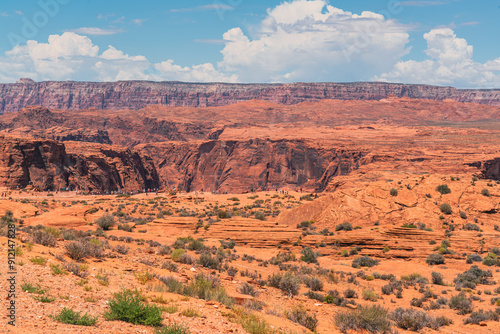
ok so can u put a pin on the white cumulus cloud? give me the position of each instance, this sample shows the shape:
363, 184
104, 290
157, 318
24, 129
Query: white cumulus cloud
298, 40
71, 56
450, 63
313, 41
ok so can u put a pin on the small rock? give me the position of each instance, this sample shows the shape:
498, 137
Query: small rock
352, 306
192, 269
483, 324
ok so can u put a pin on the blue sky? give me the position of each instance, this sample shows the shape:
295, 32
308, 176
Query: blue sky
441, 42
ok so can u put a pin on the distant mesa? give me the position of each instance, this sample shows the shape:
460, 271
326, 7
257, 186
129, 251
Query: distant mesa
134, 95
26, 81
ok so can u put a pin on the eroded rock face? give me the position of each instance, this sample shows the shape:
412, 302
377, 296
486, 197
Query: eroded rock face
259, 144
491, 169
51, 165
237, 166
98, 127
69, 95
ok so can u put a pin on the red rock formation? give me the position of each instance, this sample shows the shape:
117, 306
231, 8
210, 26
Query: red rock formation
306, 145
236, 166
491, 169
50, 165
69, 95
126, 129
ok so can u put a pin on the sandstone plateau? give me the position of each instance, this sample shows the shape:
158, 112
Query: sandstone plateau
260, 144
72, 95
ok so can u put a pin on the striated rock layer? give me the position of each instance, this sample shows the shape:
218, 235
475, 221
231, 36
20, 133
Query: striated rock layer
50, 165
70, 95
236, 166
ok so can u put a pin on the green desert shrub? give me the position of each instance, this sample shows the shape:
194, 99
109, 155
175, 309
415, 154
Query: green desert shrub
196, 245
301, 316
314, 283
122, 249
343, 227
288, 283
43, 238
105, 222
369, 294
417, 320
485, 192
373, 319
204, 287
309, 255
437, 278
470, 278
491, 260
176, 254
433, 259
471, 227
173, 328
128, 306
443, 189
33, 288
481, 316
445, 208
364, 261
415, 278
350, 293
79, 250
461, 303
68, 316
209, 261
248, 289
251, 323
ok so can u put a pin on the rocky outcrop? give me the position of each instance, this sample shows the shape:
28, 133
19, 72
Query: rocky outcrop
69, 95
97, 127
62, 134
51, 165
491, 169
237, 166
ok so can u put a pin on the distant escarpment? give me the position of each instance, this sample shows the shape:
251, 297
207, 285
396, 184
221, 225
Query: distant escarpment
69, 95
50, 165
256, 164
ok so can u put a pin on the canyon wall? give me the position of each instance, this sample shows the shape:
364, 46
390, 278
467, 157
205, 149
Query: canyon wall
238, 166
70, 95
50, 165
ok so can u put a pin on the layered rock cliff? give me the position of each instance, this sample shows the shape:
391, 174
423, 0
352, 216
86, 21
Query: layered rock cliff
69, 95
50, 165
236, 166
249, 145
